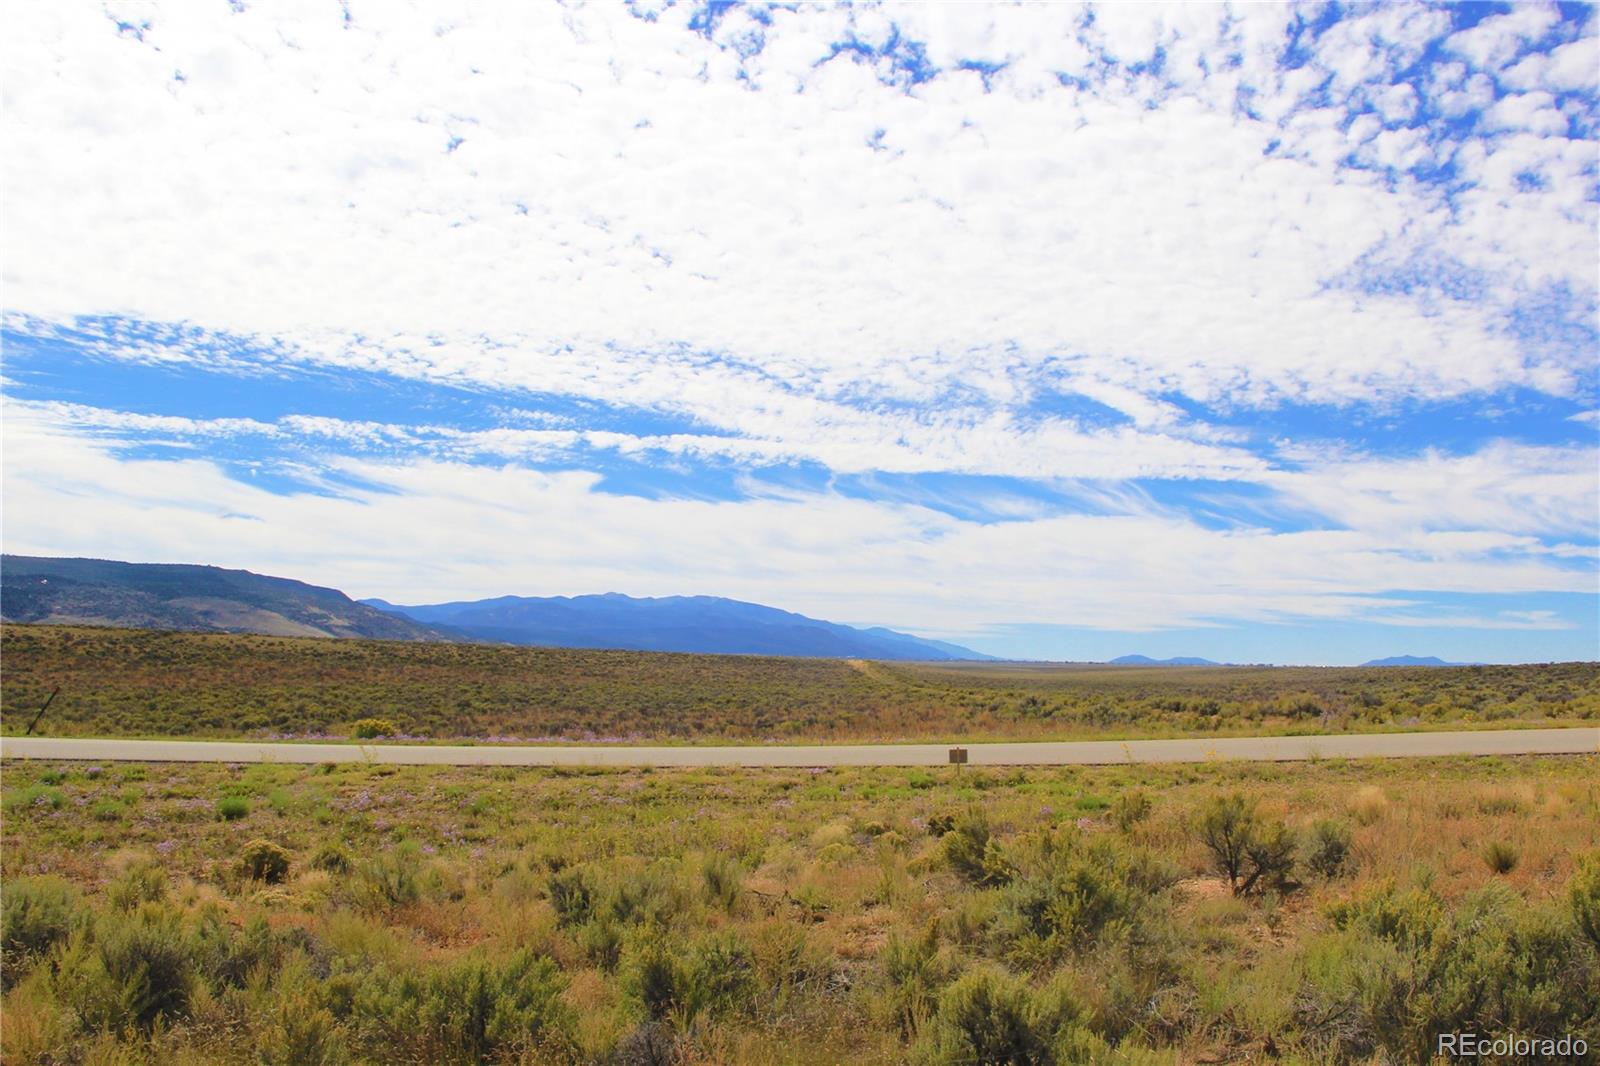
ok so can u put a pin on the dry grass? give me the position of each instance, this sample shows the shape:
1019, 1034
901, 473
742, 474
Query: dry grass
832, 865
1369, 805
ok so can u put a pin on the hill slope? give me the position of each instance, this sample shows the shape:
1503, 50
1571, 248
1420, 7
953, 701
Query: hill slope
704, 624
1145, 660
191, 598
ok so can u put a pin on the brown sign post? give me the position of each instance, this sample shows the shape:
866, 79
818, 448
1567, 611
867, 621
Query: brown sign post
958, 757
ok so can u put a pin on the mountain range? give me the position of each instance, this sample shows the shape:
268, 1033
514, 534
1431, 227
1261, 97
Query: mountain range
669, 623
195, 598
211, 599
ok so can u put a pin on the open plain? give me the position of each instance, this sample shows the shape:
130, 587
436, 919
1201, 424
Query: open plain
681, 868
206, 913
146, 683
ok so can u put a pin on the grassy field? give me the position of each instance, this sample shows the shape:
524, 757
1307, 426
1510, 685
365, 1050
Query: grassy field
146, 683
275, 914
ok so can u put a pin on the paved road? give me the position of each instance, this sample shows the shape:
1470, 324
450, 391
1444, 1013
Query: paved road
1349, 745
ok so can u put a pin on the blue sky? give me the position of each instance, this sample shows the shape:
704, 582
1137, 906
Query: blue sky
1264, 333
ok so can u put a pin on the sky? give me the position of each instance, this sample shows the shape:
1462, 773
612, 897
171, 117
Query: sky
1262, 332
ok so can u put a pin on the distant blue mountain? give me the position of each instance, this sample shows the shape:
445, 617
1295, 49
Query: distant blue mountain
1145, 660
707, 624
1413, 660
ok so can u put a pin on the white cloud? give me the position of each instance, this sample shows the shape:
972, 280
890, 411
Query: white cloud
626, 202
1500, 494
1569, 68
1535, 112
82, 416
439, 529
1498, 39
842, 439
1508, 488
1504, 621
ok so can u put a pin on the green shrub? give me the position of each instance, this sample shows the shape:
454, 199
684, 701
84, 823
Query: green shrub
227, 956
836, 854
720, 976
481, 1007
372, 728
1130, 808
392, 878
646, 898
35, 796
1139, 993
913, 973
108, 809
1500, 857
138, 972
302, 1032
1140, 868
141, 882
991, 1018
711, 978
573, 894
470, 1010
36, 914
1405, 968
332, 857
788, 962
1253, 854
1226, 826
1045, 916
1408, 918
973, 853
984, 1018
1329, 848
1271, 858
721, 879
262, 860
232, 808
1584, 894
654, 977
602, 942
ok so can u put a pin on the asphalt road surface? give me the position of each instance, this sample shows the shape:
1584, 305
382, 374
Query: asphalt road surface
1280, 749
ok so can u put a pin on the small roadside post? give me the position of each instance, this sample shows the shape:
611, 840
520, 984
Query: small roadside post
958, 758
